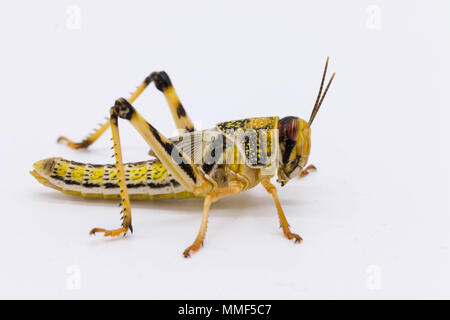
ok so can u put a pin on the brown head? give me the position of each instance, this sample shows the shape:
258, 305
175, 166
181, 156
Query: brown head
295, 138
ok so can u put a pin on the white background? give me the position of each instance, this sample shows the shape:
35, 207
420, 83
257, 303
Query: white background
374, 218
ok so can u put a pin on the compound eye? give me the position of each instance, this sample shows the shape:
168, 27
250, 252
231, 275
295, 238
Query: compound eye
292, 129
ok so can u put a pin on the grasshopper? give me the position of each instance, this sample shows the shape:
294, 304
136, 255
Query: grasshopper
210, 164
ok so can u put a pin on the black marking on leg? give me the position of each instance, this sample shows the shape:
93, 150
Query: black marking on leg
180, 111
169, 147
113, 118
147, 80
124, 109
161, 79
188, 169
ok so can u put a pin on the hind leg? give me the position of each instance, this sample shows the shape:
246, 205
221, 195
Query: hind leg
173, 159
163, 84
124, 197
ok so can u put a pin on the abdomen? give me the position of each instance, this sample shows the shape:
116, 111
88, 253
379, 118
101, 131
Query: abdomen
145, 180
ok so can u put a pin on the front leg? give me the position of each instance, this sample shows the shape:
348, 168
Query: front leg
307, 171
283, 221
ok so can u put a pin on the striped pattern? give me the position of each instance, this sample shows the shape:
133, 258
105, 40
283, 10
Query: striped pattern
254, 138
145, 180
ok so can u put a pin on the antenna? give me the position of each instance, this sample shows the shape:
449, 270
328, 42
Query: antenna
320, 98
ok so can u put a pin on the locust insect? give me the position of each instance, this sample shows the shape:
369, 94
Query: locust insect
210, 164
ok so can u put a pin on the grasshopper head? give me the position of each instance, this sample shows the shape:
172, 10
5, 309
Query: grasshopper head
295, 138
295, 145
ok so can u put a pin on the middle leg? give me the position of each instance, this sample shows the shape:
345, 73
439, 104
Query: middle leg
213, 196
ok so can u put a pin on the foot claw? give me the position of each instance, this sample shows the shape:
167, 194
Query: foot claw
71, 144
109, 233
307, 170
298, 239
192, 248
290, 235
